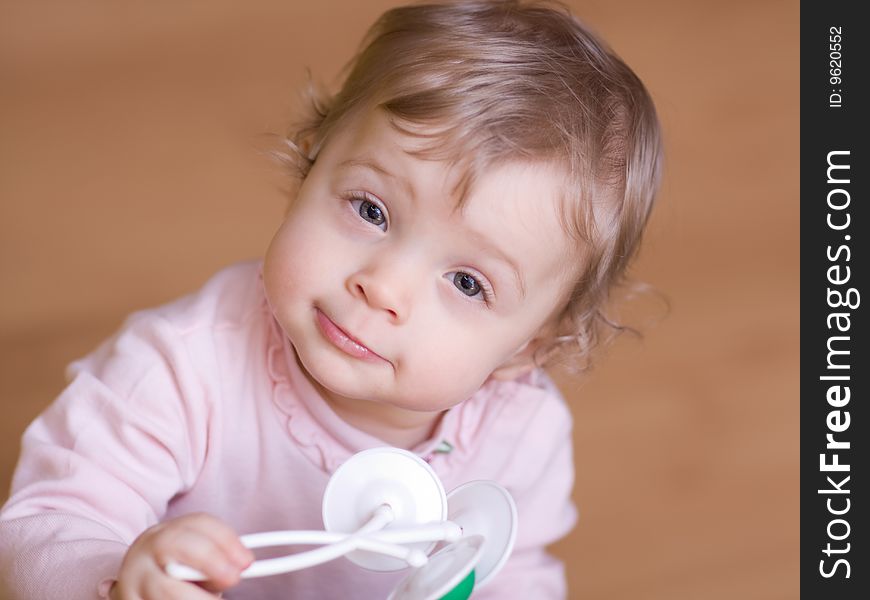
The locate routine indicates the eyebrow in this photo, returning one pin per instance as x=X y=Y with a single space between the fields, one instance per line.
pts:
x=373 y=165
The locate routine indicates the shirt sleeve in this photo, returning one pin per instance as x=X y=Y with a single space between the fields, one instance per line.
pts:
x=100 y=465
x=541 y=480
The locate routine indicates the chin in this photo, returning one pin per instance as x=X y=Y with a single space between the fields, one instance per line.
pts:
x=332 y=372
x=422 y=404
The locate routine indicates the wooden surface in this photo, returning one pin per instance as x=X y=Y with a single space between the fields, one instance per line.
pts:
x=129 y=172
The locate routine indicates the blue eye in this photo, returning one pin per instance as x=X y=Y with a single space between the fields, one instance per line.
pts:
x=466 y=284
x=371 y=212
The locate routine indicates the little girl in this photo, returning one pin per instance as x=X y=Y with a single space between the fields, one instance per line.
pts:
x=467 y=201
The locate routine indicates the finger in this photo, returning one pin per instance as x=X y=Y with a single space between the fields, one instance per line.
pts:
x=166 y=588
x=224 y=536
x=199 y=551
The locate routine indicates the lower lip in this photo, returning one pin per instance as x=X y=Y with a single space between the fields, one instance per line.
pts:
x=341 y=340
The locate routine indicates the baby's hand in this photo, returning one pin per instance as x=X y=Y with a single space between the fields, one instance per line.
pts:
x=200 y=541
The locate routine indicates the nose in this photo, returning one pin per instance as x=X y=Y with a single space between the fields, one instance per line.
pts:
x=384 y=287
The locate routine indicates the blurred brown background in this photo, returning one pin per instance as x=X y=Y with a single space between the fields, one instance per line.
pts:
x=129 y=172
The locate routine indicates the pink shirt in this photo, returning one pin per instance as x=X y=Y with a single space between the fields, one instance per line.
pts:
x=200 y=406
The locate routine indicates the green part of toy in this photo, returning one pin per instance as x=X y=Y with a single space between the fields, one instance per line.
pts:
x=463 y=590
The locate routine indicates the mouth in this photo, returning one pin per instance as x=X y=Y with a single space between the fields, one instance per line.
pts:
x=344 y=341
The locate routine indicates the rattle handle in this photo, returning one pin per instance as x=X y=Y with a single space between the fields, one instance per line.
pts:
x=340 y=544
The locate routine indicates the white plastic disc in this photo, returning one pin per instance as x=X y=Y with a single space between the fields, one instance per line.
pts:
x=485 y=508
x=383 y=476
x=445 y=570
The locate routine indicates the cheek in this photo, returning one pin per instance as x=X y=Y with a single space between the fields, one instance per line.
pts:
x=451 y=363
x=441 y=384
x=297 y=257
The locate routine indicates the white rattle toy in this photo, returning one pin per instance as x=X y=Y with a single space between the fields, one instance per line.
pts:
x=385 y=509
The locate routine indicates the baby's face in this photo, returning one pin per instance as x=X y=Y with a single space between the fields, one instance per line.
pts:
x=390 y=294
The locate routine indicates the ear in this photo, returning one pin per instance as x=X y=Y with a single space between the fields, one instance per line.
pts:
x=522 y=362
